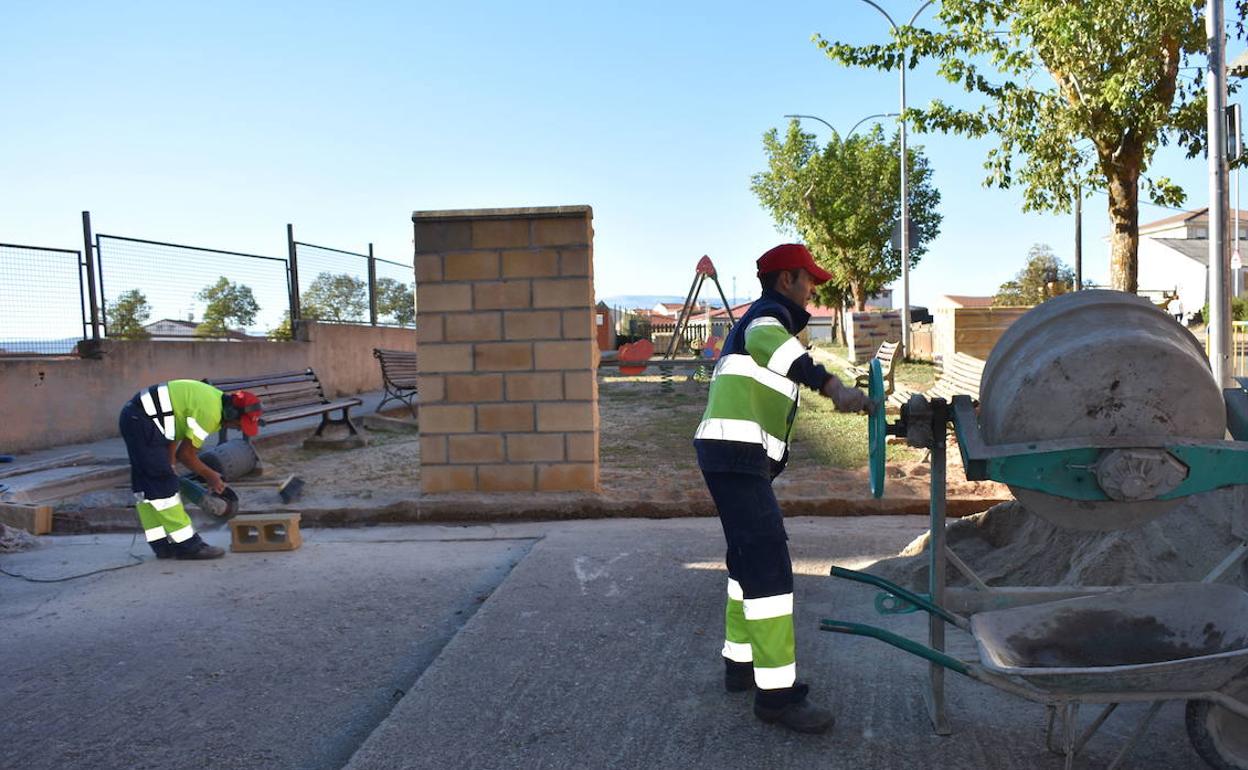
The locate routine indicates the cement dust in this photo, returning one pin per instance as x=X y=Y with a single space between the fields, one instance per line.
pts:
x=1009 y=546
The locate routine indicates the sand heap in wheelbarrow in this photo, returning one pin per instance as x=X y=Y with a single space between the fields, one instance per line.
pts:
x=1108 y=369
x=1008 y=545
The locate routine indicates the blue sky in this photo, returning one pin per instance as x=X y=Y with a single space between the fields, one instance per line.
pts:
x=216 y=124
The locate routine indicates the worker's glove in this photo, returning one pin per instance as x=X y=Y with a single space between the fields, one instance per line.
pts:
x=846 y=399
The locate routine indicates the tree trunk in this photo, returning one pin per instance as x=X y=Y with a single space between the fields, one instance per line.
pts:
x=1123 y=176
x=860 y=296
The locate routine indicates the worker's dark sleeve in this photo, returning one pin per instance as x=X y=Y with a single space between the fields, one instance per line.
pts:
x=805 y=371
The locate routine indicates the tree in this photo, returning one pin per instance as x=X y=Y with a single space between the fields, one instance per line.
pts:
x=127 y=315
x=230 y=305
x=1106 y=73
x=843 y=201
x=396 y=300
x=1043 y=278
x=341 y=297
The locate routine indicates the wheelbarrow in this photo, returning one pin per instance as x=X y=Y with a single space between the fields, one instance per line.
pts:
x=1149 y=643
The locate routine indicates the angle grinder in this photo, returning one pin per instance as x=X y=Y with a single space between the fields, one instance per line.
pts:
x=222 y=505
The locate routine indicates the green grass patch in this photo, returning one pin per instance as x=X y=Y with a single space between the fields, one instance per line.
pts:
x=835 y=439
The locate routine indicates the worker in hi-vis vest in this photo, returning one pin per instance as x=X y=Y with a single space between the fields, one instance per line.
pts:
x=742 y=444
x=167 y=423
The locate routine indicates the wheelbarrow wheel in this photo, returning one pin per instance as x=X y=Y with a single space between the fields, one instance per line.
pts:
x=1219 y=736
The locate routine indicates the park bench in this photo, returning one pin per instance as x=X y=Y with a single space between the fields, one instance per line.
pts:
x=888 y=362
x=398 y=375
x=958 y=374
x=290 y=396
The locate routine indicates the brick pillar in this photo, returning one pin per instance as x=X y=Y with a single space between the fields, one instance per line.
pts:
x=505 y=332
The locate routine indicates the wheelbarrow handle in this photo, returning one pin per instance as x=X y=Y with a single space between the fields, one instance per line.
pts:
x=910 y=596
x=901 y=642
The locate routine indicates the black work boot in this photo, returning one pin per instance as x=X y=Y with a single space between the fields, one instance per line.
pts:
x=790 y=708
x=738 y=677
x=162 y=548
x=196 y=549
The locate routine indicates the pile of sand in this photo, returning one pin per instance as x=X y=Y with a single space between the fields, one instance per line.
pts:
x=1009 y=546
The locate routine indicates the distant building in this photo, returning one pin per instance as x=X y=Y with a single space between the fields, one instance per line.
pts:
x=174 y=329
x=1174 y=259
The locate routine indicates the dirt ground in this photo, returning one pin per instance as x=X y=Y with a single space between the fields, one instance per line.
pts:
x=646 y=450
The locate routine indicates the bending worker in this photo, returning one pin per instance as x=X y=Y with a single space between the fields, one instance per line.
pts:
x=742 y=445
x=167 y=423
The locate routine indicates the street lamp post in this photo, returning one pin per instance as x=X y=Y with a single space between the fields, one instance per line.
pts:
x=1219 y=321
x=905 y=198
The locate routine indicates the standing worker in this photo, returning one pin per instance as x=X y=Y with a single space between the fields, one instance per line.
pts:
x=167 y=423
x=742 y=445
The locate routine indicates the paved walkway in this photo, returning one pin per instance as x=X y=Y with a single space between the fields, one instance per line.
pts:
x=553 y=645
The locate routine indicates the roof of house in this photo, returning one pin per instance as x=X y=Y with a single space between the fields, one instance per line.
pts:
x=191 y=326
x=1185 y=216
x=963 y=300
x=1193 y=248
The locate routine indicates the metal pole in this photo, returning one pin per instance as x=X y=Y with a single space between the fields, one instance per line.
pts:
x=937 y=564
x=372 y=287
x=88 y=253
x=292 y=264
x=905 y=225
x=1078 y=239
x=1219 y=329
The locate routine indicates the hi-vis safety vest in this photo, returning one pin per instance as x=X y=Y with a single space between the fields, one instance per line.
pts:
x=183 y=409
x=752 y=400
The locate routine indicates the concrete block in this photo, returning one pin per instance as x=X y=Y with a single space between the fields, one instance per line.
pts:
x=530 y=263
x=428 y=267
x=439 y=297
x=535 y=447
x=506 y=478
x=566 y=417
x=563 y=292
x=536 y=386
x=448 y=478
x=463 y=327
x=505 y=418
x=438 y=418
x=580 y=386
x=474 y=388
x=442 y=236
x=501 y=295
x=430 y=329
x=500 y=233
x=582 y=447
x=579 y=324
x=35 y=519
x=576 y=262
x=503 y=356
x=577 y=354
x=445 y=357
x=433 y=450
x=431 y=387
x=567 y=477
x=531 y=325
x=477 y=448
x=265 y=532
x=470 y=265
x=561 y=231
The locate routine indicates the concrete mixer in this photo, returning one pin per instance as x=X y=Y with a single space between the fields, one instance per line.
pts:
x=1100 y=413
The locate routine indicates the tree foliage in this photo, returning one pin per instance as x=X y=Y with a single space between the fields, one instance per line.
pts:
x=341 y=297
x=1044 y=277
x=127 y=315
x=396 y=301
x=1078 y=95
x=843 y=200
x=229 y=306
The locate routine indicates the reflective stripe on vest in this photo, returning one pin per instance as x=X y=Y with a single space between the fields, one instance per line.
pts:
x=157 y=405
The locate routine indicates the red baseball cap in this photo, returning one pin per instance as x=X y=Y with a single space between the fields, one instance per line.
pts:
x=788 y=256
x=249 y=411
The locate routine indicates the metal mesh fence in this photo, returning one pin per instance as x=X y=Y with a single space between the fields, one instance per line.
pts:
x=333 y=284
x=396 y=294
x=41 y=300
x=164 y=290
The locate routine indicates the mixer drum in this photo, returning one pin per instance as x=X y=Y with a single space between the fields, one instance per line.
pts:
x=1098 y=364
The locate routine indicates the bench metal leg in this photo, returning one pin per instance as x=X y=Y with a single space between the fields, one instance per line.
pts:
x=346 y=420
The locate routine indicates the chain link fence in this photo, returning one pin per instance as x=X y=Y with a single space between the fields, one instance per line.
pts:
x=41 y=300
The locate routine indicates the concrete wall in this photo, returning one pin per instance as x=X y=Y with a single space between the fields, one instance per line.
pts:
x=508 y=357
x=47 y=402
